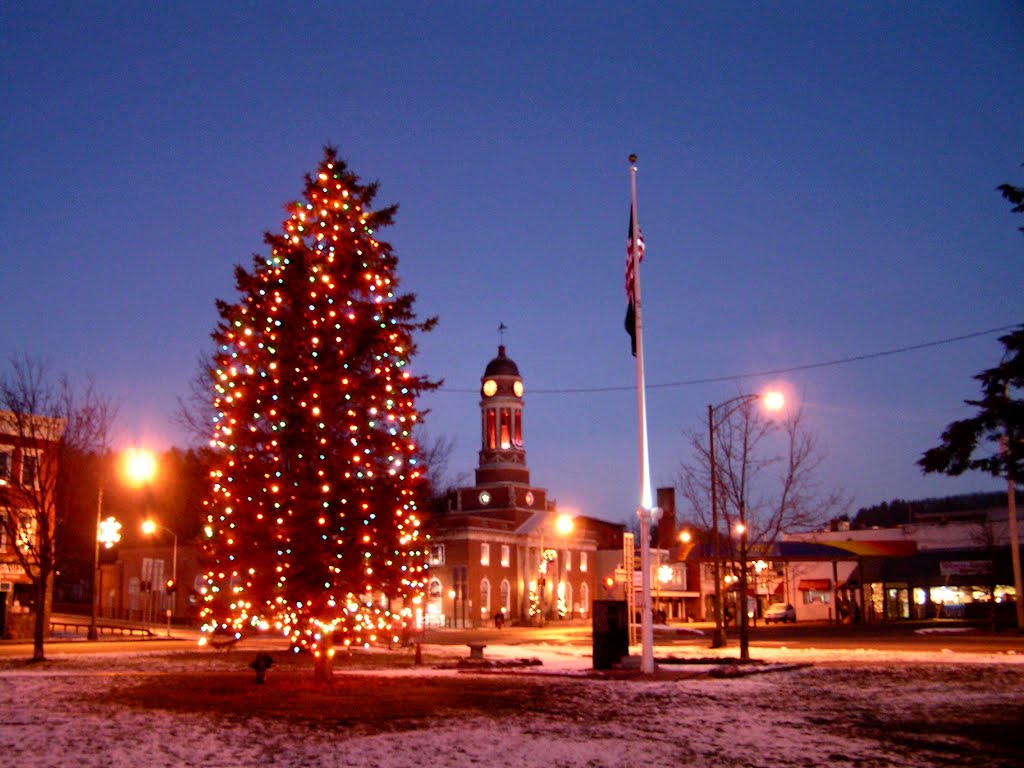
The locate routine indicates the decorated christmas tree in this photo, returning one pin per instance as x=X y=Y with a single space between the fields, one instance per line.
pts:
x=313 y=524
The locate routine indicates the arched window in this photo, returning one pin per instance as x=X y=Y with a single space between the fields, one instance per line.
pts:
x=485 y=599
x=434 y=589
x=506 y=596
x=491 y=429
x=584 y=599
x=506 y=429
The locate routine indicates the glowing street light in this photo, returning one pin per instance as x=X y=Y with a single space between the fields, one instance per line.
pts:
x=563 y=525
x=772 y=400
x=139 y=467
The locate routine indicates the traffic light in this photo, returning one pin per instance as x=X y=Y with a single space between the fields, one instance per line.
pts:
x=171 y=586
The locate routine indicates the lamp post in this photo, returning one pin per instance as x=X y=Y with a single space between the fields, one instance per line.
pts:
x=149 y=527
x=563 y=526
x=741 y=531
x=139 y=467
x=108 y=533
x=773 y=401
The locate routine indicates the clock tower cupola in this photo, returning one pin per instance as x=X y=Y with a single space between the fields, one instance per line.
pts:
x=502 y=457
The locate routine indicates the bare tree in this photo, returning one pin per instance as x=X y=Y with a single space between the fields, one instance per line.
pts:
x=766 y=476
x=42 y=419
x=195 y=411
x=435 y=453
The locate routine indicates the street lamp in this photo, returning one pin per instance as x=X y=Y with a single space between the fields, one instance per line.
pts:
x=149 y=527
x=139 y=467
x=741 y=531
x=563 y=526
x=772 y=401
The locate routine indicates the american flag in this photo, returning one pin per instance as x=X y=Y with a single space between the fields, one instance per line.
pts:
x=633 y=258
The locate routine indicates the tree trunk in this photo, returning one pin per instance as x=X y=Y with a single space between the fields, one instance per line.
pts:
x=39 y=631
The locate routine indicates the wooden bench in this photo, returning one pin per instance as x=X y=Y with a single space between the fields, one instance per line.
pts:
x=224 y=643
x=476 y=651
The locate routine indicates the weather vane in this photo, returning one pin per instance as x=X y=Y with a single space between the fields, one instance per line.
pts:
x=501 y=333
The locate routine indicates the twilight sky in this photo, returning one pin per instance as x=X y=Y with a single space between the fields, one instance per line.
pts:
x=816 y=182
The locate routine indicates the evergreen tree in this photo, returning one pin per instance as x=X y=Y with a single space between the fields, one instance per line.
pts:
x=993 y=439
x=313 y=522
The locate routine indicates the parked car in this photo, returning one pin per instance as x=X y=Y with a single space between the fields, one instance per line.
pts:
x=779 y=612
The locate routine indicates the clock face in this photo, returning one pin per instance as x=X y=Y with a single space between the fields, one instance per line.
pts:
x=518 y=388
x=485 y=497
x=490 y=387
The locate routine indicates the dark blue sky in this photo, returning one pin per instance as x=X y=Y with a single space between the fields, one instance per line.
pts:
x=816 y=182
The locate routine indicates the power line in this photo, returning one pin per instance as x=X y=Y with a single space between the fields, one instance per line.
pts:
x=769 y=372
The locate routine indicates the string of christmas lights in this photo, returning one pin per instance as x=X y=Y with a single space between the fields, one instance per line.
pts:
x=313 y=521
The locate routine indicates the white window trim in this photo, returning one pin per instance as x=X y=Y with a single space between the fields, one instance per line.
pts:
x=33 y=453
x=8 y=451
x=485 y=598
x=485 y=553
x=437 y=554
x=506 y=590
x=506 y=555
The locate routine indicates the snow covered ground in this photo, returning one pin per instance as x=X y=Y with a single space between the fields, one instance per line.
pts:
x=803 y=708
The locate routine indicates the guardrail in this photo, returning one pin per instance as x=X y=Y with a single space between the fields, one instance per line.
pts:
x=102 y=629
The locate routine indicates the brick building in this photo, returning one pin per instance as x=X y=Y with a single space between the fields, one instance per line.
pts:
x=28 y=482
x=501 y=545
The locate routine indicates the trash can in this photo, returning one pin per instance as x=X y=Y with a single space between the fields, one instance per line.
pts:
x=610 y=633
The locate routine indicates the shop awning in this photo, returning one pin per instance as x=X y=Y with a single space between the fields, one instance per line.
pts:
x=814 y=585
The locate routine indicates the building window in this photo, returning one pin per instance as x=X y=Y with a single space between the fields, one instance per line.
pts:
x=567 y=559
x=29 y=470
x=506 y=557
x=485 y=554
x=584 y=599
x=3 y=531
x=506 y=419
x=485 y=599
x=5 y=464
x=491 y=428
x=815 y=596
x=506 y=596
x=434 y=590
x=583 y=562
x=28 y=528
x=134 y=600
x=437 y=554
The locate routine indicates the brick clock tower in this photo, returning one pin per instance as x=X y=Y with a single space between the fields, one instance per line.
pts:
x=489 y=542
x=502 y=477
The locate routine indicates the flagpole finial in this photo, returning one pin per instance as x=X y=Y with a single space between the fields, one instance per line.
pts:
x=632 y=159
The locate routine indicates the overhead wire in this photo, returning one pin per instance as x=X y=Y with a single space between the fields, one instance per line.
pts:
x=767 y=372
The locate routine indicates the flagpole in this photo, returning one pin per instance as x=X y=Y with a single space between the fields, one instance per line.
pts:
x=646 y=511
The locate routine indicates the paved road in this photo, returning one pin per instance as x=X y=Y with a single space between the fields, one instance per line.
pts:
x=904 y=636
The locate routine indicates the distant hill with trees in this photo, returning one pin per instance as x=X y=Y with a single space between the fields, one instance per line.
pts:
x=900 y=512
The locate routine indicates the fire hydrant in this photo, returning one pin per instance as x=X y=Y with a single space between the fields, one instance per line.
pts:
x=261 y=664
